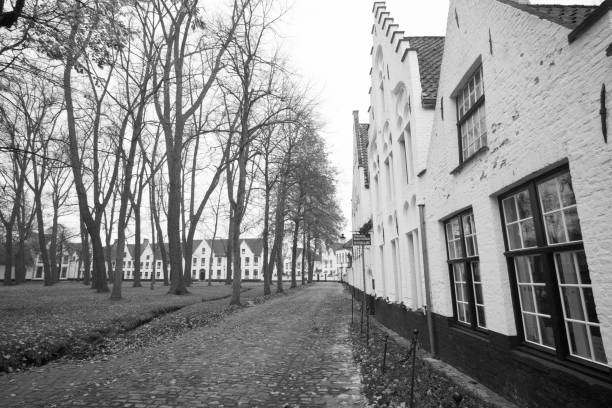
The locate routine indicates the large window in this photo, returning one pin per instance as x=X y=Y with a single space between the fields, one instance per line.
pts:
x=464 y=270
x=471 y=116
x=549 y=270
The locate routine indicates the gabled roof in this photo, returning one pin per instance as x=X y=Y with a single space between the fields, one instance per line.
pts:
x=219 y=246
x=429 y=53
x=255 y=244
x=567 y=16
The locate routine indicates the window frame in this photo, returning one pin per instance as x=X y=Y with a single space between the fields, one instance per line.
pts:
x=561 y=352
x=466 y=261
x=471 y=111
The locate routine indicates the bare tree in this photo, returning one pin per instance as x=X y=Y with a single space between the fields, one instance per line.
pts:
x=179 y=22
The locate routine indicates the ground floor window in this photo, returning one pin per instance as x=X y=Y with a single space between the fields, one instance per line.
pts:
x=255 y=271
x=64 y=271
x=246 y=273
x=39 y=271
x=549 y=272
x=464 y=270
x=218 y=273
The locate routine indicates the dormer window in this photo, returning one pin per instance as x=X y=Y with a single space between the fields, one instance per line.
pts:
x=471 y=116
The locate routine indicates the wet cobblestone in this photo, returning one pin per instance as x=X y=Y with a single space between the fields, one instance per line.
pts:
x=292 y=351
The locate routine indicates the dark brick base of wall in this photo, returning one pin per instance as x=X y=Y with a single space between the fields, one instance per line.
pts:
x=526 y=377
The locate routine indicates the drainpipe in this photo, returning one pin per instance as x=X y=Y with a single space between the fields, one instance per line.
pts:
x=430 y=327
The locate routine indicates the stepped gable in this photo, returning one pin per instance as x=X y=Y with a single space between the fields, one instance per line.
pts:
x=567 y=16
x=429 y=53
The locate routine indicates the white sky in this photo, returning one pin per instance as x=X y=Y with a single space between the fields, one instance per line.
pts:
x=328 y=42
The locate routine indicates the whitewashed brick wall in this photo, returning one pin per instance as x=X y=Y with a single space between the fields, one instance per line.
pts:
x=542 y=108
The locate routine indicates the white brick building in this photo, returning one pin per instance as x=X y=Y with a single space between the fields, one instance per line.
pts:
x=514 y=172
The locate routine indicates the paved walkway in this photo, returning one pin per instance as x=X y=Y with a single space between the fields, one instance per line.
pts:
x=290 y=351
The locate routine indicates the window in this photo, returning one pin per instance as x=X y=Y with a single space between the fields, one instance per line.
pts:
x=147 y=258
x=159 y=264
x=203 y=261
x=63 y=273
x=549 y=271
x=255 y=260
x=39 y=271
x=471 y=116
x=203 y=250
x=246 y=260
x=141 y=264
x=218 y=261
x=195 y=261
x=255 y=271
x=124 y=264
x=158 y=274
x=246 y=273
x=464 y=270
x=243 y=251
x=218 y=273
x=147 y=265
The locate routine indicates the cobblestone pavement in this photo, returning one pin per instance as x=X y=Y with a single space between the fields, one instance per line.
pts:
x=290 y=351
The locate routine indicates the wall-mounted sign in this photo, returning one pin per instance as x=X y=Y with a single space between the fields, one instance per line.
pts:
x=361 y=239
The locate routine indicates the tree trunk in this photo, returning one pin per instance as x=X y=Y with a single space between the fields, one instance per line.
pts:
x=20 y=266
x=93 y=226
x=137 y=248
x=303 y=255
x=85 y=254
x=265 y=236
x=310 y=260
x=42 y=242
x=229 y=250
x=177 y=285
x=8 y=246
x=296 y=233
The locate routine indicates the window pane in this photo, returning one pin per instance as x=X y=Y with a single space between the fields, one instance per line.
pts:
x=573 y=224
x=530 y=323
x=566 y=190
x=546 y=327
x=549 y=195
x=528 y=233
x=510 y=209
x=555 y=231
x=522 y=265
x=590 y=305
x=523 y=202
x=526 y=295
x=482 y=321
x=598 y=348
x=579 y=340
x=573 y=303
x=514 y=236
x=566 y=268
x=478 y=294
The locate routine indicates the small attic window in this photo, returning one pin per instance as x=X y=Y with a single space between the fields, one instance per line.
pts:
x=471 y=119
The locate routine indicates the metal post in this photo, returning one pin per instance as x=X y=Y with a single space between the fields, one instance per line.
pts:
x=384 y=362
x=430 y=328
x=363 y=306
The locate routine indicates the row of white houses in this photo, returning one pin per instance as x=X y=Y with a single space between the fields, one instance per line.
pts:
x=203 y=266
x=484 y=176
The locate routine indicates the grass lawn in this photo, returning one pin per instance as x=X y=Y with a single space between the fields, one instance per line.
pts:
x=37 y=323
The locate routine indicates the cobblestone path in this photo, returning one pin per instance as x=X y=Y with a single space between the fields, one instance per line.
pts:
x=290 y=351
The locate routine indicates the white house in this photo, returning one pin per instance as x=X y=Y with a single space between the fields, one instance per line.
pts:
x=512 y=181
